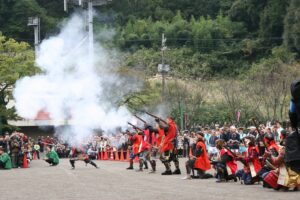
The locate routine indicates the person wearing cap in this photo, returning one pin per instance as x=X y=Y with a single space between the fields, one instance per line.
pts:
x=199 y=160
x=5 y=161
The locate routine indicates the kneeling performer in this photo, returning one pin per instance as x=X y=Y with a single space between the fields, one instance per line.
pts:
x=51 y=156
x=199 y=160
x=78 y=154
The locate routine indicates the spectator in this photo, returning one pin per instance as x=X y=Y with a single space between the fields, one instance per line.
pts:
x=36 y=149
x=180 y=145
x=186 y=144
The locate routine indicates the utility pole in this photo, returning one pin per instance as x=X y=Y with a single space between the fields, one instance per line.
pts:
x=35 y=22
x=89 y=4
x=91 y=31
x=163 y=68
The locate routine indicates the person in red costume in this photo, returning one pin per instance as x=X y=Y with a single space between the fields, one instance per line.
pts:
x=134 y=142
x=225 y=165
x=252 y=164
x=144 y=152
x=199 y=160
x=282 y=177
x=271 y=148
x=167 y=145
x=147 y=147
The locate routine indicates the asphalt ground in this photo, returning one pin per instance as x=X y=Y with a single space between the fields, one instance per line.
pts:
x=112 y=181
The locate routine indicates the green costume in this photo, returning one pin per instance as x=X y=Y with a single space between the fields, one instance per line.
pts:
x=53 y=156
x=5 y=159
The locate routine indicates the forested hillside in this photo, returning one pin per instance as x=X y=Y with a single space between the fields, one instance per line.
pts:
x=246 y=45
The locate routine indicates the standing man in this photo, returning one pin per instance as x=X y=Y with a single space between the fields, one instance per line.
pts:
x=147 y=147
x=212 y=144
x=134 y=143
x=36 y=148
x=167 y=147
x=186 y=144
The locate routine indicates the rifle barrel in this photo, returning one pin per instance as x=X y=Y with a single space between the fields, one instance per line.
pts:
x=135 y=126
x=140 y=119
x=154 y=116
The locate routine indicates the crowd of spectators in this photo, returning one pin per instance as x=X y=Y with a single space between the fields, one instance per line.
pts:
x=19 y=144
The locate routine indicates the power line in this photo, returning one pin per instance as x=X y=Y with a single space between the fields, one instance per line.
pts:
x=205 y=39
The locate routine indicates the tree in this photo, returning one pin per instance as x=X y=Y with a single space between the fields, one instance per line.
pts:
x=16 y=61
x=271 y=79
x=14 y=16
x=292 y=26
x=247 y=11
x=272 y=19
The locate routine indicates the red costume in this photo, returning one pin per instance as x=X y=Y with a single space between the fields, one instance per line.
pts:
x=161 y=134
x=272 y=144
x=169 y=138
x=253 y=158
x=231 y=164
x=202 y=162
x=136 y=142
x=149 y=137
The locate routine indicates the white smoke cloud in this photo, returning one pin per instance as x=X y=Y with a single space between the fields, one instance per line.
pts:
x=71 y=88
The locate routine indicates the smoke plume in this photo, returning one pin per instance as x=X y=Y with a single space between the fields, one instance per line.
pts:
x=71 y=89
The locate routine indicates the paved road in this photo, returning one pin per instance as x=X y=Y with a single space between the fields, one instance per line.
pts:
x=113 y=182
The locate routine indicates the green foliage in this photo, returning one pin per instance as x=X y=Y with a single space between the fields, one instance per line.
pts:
x=247 y=11
x=196 y=46
x=270 y=79
x=14 y=16
x=16 y=61
x=272 y=19
x=292 y=26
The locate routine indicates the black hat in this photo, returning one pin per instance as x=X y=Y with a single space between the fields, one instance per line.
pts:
x=200 y=133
